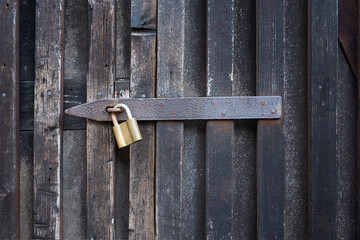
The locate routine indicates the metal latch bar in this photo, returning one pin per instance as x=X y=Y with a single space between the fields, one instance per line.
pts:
x=192 y=108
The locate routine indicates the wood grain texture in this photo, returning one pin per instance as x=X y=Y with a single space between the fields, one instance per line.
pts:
x=74 y=184
x=346 y=105
x=26 y=185
x=48 y=108
x=270 y=134
x=143 y=14
x=142 y=154
x=295 y=85
x=122 y=90
x=76 y=59
x=169 y=135
x=245 y=131
x=122 y=172
x=323 y=77
x=100 y=140
x=10 y=120
x=123 y=42
x=193 y=165
x=219 y=158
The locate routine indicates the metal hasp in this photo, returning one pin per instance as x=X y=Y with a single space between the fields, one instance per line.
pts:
x=196 y=108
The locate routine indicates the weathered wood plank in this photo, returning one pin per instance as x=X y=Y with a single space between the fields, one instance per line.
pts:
x=74 y=184
x=27 y=40
x=192 y=193
x=346 y=105
x=122 y=87
x=219 y=158
x=245 y=131
x=143 y=14
x=270 y=134
x=26 y=185
x=169 y=135
x=10 y=120
x=295 y=130
x=100 y=141
x=48 y=115
x=122 y=169
x=76 y=59
x=323 y=77
x=142 y=154
x=123 y=31
x=74 y=94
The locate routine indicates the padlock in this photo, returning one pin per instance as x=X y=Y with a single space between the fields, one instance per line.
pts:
x=127 y=132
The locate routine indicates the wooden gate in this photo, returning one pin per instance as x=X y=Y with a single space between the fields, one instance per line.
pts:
x=61 y=177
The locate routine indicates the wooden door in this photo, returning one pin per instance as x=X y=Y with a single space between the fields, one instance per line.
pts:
x=62 y=177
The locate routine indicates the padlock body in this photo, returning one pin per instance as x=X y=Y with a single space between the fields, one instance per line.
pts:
x=127 y=133
x=134 y=129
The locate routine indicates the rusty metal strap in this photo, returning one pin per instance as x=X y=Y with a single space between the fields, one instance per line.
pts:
x=196 y=108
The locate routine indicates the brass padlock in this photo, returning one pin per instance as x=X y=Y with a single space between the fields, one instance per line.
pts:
x=127 y=132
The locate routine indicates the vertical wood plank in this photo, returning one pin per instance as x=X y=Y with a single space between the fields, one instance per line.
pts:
x=323 y=76
x=220 y=134
x=122 y=90
x=295 y=126
x=270 y=134
x=122 y=172
x=346 y=105
x=9 y=121
x=245 y=130
x=142 y=154
x=26 y=185
x=48 y=115
x=100 y=141
x=192 y=193
x=74 y=184
x=169 y=135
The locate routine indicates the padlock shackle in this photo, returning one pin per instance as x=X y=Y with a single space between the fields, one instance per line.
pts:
x=128 y=112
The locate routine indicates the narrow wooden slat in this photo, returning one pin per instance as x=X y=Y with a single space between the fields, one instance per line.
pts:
x=169 y=135
x=122 y=172
x=142 y=154
x=122 y=90
x=76 y=59
x=10 y=120
x=295 y=127
x=220 y=134
x=245 y=131
x=346 y=105
x=74 y=184
x=123 y=31
x=100 y=141
x=323 y=77
x=27 y=40
x=193 y=166
x=26 y=185
x=270 y=134
x=48 y=115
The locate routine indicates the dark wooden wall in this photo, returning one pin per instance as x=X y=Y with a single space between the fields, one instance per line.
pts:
x=291 y=178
